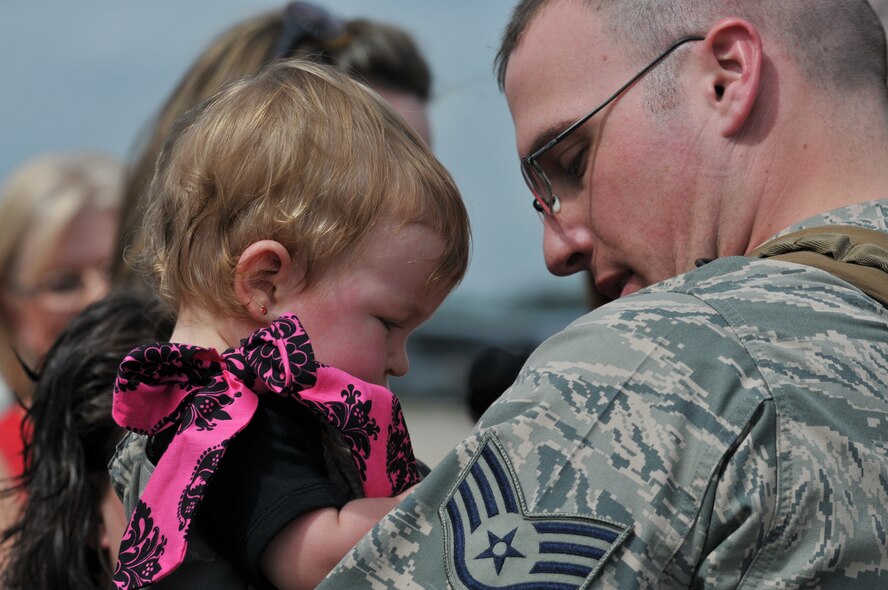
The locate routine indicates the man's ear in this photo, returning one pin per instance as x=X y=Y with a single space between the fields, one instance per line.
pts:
x=734 y=72
x=264 y=271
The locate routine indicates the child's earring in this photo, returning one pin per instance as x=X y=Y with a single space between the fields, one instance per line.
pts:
x=263 y=309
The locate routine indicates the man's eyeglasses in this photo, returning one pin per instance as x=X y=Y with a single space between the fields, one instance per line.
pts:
x=545 y=200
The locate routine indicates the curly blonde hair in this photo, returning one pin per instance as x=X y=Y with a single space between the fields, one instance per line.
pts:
x=300 y=154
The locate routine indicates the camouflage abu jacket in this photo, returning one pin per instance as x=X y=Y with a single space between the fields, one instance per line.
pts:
x=727 y=428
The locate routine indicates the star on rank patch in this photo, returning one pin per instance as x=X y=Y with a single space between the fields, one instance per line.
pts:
x=493 y=542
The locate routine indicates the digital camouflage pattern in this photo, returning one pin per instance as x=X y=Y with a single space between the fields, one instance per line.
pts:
x=727 y=428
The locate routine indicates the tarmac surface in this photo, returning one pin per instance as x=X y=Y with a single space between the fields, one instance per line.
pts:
x=435 y=425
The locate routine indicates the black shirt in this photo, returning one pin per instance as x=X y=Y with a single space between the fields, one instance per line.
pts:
x=271 y=473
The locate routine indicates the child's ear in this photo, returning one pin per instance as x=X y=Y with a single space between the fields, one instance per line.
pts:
x=263 y=271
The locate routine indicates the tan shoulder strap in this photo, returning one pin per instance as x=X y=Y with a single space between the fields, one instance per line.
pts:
x=854 y=254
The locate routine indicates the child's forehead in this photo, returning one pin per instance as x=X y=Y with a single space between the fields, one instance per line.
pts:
x=403 y=278
x=403 y=245
x=424 y=241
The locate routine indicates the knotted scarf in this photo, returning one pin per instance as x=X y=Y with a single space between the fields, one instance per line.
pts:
x=210 y=397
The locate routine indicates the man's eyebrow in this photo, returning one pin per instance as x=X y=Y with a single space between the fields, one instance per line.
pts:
x=548 y=134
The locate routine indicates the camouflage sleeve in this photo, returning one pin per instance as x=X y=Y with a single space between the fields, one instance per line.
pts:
x=130 y=469
x=606 y=462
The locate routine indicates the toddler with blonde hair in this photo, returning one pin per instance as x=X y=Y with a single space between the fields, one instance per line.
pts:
x=293 y=203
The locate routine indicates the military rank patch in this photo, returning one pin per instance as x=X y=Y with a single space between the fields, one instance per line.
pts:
x=491 y=541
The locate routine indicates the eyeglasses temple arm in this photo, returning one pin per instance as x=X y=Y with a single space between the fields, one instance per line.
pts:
x=613 y=96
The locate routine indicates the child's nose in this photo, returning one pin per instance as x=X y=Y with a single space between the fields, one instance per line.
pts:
x=398 y=364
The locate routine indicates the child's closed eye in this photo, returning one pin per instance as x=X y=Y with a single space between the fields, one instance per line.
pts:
x=389 y=324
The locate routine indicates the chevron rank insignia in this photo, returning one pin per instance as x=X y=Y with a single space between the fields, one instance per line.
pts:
x=493 y=542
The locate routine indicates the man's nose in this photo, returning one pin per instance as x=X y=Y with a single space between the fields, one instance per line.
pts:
x=566 y=250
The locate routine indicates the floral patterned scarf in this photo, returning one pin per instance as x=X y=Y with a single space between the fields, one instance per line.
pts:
x=208 y=398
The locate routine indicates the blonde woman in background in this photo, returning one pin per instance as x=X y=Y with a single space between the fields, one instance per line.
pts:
x=58 y=221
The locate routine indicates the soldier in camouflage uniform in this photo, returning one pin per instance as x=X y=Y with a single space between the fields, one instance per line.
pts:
x=723 y=428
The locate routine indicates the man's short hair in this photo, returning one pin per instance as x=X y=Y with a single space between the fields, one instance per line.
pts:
x=838 y=44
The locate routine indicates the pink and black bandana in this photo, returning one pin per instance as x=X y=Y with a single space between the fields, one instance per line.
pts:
x=210 y=397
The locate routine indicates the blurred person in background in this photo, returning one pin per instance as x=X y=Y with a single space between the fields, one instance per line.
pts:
x=383 y=56
x=58 y=221
x=69 y=529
